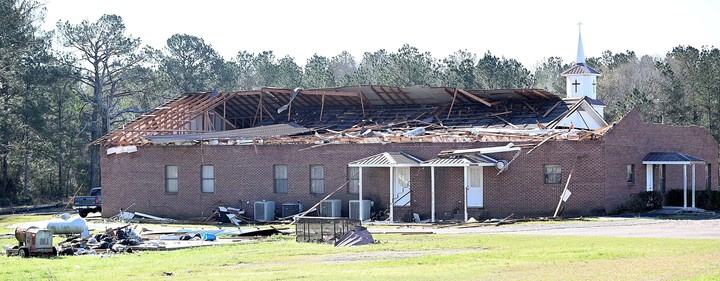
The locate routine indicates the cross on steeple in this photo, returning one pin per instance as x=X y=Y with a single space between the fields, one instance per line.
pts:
x=576 y=84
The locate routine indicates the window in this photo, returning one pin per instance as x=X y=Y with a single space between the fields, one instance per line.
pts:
x=317 y=179
x=353 y=176
x=401 y=187
x=708 y=179
x=631 y=173
x=171 y=179
x=281 y=179
x=553 y=174
x=208 y=179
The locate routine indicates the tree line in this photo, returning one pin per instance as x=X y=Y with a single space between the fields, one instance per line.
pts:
x=56 y=99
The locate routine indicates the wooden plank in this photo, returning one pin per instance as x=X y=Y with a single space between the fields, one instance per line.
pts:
x=551 y=109
x=474 y=97
x=539 y=93
x=452 y=103
x=530 y=106
x=322 y=107
x=506 y=121
x=372 y=88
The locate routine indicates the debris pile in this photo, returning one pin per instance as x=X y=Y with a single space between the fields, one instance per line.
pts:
x=356 y=237
x=116 y=240
x=126 y=238
x=229 y=215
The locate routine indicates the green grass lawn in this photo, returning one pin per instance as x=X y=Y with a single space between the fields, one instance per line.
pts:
x=397 y=257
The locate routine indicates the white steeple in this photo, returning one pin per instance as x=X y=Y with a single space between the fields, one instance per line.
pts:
x=581 y=80
x=580 y=53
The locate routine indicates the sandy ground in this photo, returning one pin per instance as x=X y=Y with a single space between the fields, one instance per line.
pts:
x=612 y=227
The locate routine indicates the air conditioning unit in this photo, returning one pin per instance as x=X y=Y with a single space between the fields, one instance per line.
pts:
x=330 y=208
x=264 y=210
x=289 y=209
x=355 y=209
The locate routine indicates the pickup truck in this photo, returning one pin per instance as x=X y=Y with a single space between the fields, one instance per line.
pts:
x=88 y=204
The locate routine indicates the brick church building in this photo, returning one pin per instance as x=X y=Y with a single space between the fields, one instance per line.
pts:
x=383 y=152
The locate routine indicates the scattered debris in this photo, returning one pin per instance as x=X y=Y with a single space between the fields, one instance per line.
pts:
x=261 y=232
x=139 y=214
x=229 y=215
x=564 y=196
x=357 y=237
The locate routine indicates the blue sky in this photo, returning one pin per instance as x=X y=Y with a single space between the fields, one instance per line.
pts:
x=528 y=31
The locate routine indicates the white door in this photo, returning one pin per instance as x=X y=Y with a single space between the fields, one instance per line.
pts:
x=475 y=186
x=401 y=186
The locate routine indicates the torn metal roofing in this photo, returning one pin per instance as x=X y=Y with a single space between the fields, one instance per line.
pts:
x=277 y=130
x=461 y=160
x=670 y=158
x=387 y=159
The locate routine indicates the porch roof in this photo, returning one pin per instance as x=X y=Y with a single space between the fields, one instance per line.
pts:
x=461 y=161
x=387 y=159
x=671 y=158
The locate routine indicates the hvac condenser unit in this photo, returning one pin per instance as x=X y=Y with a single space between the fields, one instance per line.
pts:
x=355 y=209
x=289 y=209
x=264 y=210
x=330 y=208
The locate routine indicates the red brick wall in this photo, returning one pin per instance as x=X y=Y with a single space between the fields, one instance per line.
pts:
x=631 y=139
x=244 y=174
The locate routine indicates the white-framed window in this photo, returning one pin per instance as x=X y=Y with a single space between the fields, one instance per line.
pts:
x=280 y=175
x=353 y=176
x=171 y=179
x=553 y=174
x=317 y=179
x=207 y=174
x=401 y=186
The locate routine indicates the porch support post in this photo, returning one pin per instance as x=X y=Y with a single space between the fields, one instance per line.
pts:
x=685 y=186
x=360 y=196
x=432 y=195
x=648 y=177
x=392 y=197
x=693 y=185
x=465 y=187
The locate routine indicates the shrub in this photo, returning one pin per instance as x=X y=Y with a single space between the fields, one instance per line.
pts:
x=708 y=199
x=674 y=197
x=705 y=199
x=643 y=202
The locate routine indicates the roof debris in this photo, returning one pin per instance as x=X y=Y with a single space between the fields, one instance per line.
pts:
x=355 y=114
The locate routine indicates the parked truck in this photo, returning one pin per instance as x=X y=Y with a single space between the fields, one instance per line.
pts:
x=88 y=204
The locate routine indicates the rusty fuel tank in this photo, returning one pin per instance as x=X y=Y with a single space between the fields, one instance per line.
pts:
x=20 y=232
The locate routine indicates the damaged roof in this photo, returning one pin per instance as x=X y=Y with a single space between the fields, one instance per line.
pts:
x=276 y=130
x=355 y=114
